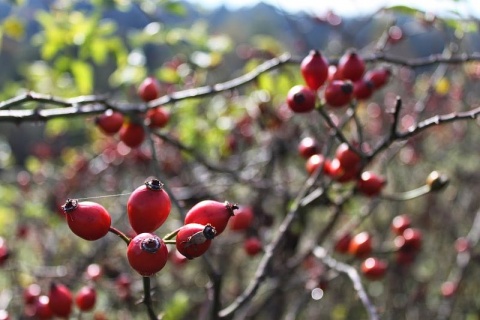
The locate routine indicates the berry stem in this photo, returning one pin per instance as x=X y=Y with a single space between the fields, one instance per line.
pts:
x=147 y=298
x=120 y=234
x=408 y=195
x=171 y=241
x=171 y=235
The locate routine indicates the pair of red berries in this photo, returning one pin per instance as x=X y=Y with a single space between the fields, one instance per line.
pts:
x=408 y=240
x=346 y=83
x=131 y=133
x=204 y=221
x=148 y=208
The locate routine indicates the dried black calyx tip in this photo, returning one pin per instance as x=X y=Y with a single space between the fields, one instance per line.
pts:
x=154 y=184
x=299 y=98
x=231 y=207
x=347 y=87
x=437 y=181
x=209 y=232
x=151 y=244
x=70 y=205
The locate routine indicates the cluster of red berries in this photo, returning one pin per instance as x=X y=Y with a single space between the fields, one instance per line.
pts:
x=408 y=240
x=344 y=82
x=132 y=133
x=58 y=302
x=344 y=167
x=407 y=244
x=148 y=207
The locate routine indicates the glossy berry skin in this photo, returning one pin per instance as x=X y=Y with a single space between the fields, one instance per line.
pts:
x=373 y=268
x=338 y=93
x=132 y=134
x=343 y=242
x=148 y=207
x=194 y=239
x=4 y=251
x=252 y=246
x=314 y=68
x=413 y=239
x=211 y=212
x=347 y=157
x=149 y=89
x=147 y=254
x=88 y=220
x=351 y=66
x=85 y=298
x=378 y=77
x=157 y=117
x=362 y=89
x=314 y=162
x=307 y=147
x=370 y=184
x=109 y=122
x=61 y=300
x=301 y=99
x=400 y=223
x=243 y=218
x=360 y=245
x=31 y=293
x=42 y=308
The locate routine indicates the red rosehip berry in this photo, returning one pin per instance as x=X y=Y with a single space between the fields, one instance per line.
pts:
x=400 y=223
x=31 y=293
x=348 y=158
x=370 y=184
x=177 y=258
x=314 y=162
x=351 y=66
x=413 y=239
x=149 y=89
x=132 y=134
x=378 y=77
x=314 y=68
x=360 y=245
x=301 y=99
x=147 y=254
x=343 y=243
x=194 y=239
x=86 y=298
x=362 y=89
x=61 y=301
x=211 y=212
x=42 y=308
x=374 y=268
x=243 y=218
x=307 y=147
x=109 y=122
x=4 y=251
x=252 y=246
x=88 y=220
x=157 y=117
x=148 y=207
x=338 y=93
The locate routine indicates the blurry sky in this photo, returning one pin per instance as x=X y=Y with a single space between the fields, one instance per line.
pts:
x=466 y=8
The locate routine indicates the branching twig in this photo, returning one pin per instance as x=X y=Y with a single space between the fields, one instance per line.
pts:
x=352 y=273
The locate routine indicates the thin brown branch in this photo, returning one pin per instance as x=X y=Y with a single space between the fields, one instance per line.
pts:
x=147 y=298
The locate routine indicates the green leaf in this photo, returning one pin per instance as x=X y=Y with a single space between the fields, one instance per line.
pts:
x=83 y=75
x=177 y=306
x=176 y=8
x=404 y=9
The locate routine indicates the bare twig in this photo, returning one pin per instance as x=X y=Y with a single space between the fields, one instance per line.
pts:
x=352 y=273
